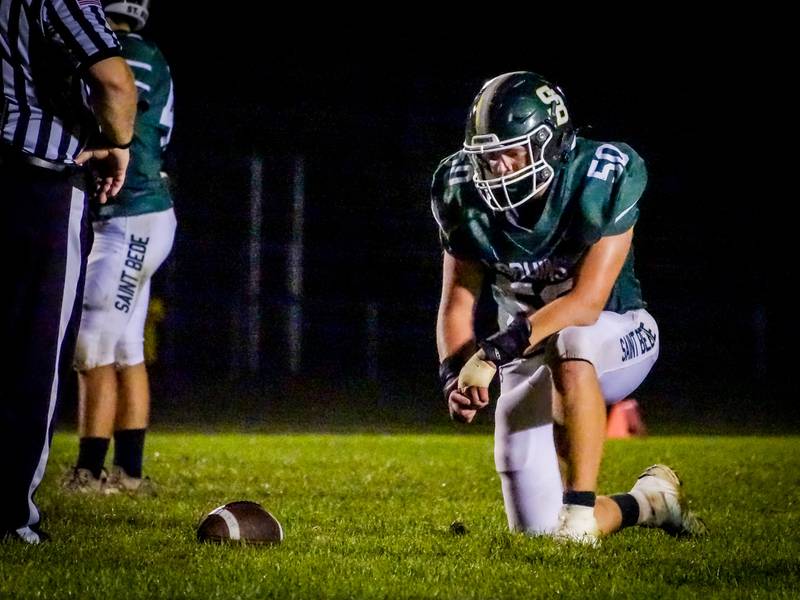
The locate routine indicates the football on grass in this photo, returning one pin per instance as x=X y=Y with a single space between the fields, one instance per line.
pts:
x=241 y=521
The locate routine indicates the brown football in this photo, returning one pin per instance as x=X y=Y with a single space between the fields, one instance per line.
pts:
x=241 y=521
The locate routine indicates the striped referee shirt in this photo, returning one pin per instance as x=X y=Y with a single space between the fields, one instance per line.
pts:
x=45 y=46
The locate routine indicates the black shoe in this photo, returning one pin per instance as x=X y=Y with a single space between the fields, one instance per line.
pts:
x=26 y=535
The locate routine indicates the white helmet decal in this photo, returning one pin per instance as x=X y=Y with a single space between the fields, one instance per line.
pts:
x=136 y=10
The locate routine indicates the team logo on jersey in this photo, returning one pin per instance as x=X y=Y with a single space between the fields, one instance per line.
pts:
x=545 y=270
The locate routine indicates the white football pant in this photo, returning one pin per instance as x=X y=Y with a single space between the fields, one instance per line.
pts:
x=125 y=254
x=622 y=348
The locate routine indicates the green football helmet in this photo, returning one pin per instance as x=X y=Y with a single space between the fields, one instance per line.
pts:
x=519 y=110
x=136 y=11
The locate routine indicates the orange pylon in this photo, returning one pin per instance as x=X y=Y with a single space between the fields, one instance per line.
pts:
x=625 y=420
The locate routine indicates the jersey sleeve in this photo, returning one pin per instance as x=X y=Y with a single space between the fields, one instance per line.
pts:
x=627 y=190
x=614 y=180
x=449 y=211
x=153 y=85
x=148 y=67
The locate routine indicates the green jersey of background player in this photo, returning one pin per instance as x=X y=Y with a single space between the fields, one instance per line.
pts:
x=146 y=188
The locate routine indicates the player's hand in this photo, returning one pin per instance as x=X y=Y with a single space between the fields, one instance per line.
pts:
x=109 y=165
x=464 y=406
x=477 y=372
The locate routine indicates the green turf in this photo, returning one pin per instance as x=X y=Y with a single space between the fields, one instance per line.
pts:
x=367 y=516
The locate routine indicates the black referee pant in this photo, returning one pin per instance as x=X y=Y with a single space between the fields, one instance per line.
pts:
x=44 y=242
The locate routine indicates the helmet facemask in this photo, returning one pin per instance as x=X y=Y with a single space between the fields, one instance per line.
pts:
x=515 y=188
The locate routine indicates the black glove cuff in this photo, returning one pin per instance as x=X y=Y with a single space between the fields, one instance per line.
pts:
x=509 y=344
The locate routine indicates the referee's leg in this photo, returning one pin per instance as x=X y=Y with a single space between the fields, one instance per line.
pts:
x=43 y=240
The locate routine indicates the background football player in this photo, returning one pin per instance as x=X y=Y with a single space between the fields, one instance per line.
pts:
x=549 y=216
x=133 y=234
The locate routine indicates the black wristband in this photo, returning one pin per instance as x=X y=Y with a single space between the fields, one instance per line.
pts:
x=509 y=344
x=102 y=141
x=449 y=369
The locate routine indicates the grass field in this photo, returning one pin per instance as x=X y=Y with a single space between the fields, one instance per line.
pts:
x=368 y=515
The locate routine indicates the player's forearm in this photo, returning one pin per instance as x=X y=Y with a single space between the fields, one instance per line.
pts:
x=461 y=285
x=566 y=311
x=455 y=332
x=587 y=299
x=526 y=331
x=593 y=284
x=113 y=98
x=455 y=340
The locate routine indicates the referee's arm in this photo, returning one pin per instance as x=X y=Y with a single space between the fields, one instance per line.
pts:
x=113 y=99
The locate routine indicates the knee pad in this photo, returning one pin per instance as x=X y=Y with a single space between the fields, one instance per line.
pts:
x=524 y=450
x=531 y=493
x=573 y=343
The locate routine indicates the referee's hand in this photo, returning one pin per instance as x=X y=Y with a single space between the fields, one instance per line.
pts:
x=109 y=165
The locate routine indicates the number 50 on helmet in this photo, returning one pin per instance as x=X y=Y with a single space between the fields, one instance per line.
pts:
x=521 y=111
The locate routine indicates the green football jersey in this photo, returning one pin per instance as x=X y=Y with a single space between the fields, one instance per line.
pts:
x=145 y=188
x=534 y=251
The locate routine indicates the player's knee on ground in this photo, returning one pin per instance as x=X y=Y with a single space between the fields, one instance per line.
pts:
x=530 y=479
x=524 y=452
x=532 y=499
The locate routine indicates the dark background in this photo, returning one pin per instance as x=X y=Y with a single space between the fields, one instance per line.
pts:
x=371 y=114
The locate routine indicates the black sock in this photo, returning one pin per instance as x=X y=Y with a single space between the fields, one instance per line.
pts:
x=629 y=508
x=579 y=498
x=92 y=454
x=128 y=450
